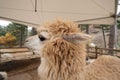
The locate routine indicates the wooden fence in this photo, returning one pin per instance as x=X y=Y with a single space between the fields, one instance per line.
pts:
x=16 y=54
x=102 y=51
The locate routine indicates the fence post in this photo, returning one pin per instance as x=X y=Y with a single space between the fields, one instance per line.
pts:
x=0 y=55
x=96 y=51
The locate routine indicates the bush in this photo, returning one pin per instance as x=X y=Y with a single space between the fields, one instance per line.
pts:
x=8 y=39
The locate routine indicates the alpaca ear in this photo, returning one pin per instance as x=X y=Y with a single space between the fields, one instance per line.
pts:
x=78 y=37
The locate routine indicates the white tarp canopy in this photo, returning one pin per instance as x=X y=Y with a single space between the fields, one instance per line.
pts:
x=34 y=12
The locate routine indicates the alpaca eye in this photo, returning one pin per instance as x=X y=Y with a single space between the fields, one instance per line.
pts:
x=42 y=38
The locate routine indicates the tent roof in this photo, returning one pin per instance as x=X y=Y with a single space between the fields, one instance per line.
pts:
x=34 y=12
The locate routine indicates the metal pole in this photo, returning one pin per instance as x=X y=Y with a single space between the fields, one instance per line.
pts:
x=35 y=5
x=113 y=31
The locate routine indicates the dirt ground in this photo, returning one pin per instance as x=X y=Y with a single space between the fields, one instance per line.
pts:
x=28 y=75
x=21 y=70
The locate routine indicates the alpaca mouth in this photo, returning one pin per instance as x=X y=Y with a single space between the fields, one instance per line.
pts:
x=31 y=50
x=28 y=47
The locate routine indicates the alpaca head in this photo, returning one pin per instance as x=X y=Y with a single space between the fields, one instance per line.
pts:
x=3 y=75
x=61 y=49
x=68 y=31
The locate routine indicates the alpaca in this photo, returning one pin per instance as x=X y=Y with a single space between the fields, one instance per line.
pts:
x=91 y=45
x=3 y=76
x=88 y=60
x=63 y=53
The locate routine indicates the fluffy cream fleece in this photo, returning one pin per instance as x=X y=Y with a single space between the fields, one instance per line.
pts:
x=104 y=68
x=64 y=59
x=59 y=27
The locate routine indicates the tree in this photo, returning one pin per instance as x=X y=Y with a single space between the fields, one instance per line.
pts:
x=118 y=25
x=2 y=30
x=7 y=40
x=33 y=32
x=17 y=30
x=112 y=38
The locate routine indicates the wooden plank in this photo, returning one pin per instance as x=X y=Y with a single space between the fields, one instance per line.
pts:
x=97 y=51
x=14 y=50
x=106 y=49
x=2 y=60
x=18 y=66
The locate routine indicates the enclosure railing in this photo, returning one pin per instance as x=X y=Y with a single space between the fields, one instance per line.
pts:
x=102 y=51
x=17 y=53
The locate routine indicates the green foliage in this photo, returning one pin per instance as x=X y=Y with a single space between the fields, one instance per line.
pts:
x=18 y=30
x=118 y=25
x=84 y=26
x=118 y=44
x=2 y=31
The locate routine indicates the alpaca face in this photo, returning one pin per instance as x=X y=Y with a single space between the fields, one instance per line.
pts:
x=36 y=43
x=3 y=76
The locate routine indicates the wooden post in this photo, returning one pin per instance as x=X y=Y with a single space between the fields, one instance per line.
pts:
x=21 y=40
x=96 y=51
x=87 y=29
x=0 y=55
x=104 y=37
x=79 y=26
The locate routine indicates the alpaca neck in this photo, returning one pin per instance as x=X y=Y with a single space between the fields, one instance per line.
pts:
x=63 y=61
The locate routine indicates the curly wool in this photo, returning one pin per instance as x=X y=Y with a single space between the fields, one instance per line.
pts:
x=64 y=60
x=59 y=27
x=104 y=68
